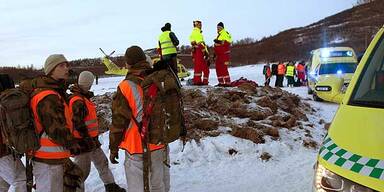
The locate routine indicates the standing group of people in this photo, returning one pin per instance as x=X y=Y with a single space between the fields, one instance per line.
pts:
x=66 y=126
x=281 y=70
x=167 y=49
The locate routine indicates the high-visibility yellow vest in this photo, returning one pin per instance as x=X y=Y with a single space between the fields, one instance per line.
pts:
x=290 y=71
x=224 y=36
x=166 y=44
x=196 y=36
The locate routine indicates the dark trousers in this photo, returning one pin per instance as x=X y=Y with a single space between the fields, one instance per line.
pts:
x=291 y=80
x=279 y=81
x=171 y=60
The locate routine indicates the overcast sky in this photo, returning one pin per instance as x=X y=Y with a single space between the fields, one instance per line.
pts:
x=30 y=30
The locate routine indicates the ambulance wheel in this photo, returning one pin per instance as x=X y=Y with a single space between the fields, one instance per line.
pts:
x=310 y=91
x=316 y=98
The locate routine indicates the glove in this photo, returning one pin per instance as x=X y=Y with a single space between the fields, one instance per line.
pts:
x=217 y=41
x=113 y=156
x=75 y=149
x=226 y=63
x=208 y=62
x=90 y=143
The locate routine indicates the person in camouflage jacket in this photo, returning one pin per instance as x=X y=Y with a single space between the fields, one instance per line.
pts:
x=49 y=161
x=124 y=132
x=85 y=123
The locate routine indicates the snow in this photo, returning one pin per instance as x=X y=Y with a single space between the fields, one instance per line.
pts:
x=207 y=166
x=338 y=40
x=338 y=25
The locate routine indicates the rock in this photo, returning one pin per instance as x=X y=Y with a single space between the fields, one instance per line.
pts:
x=309 y=125
x=327 y=125
x=267 y=102
x=239 y=112
x=248 y=133
x=257 y=115
x=232 y=151
x=291 y=122
x=300 y=115
x=256 y=125
x=273 y=132
x=265 y=156
x=206 y=124
x=309 y=143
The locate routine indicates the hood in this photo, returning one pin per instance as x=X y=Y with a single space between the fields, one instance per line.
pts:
x=44 y=82
x=75 y=90
x=139 y=69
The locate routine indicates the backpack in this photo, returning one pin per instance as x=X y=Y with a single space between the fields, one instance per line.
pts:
x=274 y=69
x=16 y=121
x=265 y=70
x=163 y=119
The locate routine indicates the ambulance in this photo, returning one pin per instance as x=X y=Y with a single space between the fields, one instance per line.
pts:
x=351 y=157
x=329 y=64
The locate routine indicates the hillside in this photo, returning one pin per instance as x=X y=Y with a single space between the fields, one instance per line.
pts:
x=354 y=27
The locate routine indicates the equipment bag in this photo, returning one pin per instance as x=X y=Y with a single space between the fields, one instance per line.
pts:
x=16 y=121
x=163 y=108
x=243 y=80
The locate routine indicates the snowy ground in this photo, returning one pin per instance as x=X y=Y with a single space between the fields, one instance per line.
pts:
x=207 y=166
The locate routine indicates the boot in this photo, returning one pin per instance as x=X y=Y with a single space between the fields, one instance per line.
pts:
x=113 y=187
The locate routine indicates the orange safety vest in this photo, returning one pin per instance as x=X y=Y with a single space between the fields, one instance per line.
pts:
x=280 y=69
x=300 y=68
x=48 y=148
x=133 y=93
x=90 y=120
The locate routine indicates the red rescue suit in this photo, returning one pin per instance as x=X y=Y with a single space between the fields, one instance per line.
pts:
x=201 y=69
x=222 y=52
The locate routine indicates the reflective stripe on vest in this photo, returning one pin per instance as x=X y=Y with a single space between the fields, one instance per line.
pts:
x=166 y=44
x=290 y=71
x=90 y=120
x=133 y=93
x=49 y=149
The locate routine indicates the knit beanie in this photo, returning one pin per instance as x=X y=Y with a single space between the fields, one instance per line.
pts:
x=86 y=80
x=221 y=24
x=134 y=55
x=52 y=61
x=196 y=22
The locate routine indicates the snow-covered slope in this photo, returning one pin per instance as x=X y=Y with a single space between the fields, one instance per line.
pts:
x=207 y=166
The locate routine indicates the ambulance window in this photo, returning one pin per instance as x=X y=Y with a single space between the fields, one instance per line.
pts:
x=369 y=90
x=335 y=68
